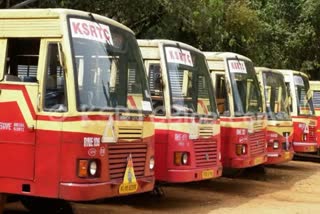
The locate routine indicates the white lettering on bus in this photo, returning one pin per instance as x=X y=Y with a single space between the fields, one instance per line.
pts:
x=237 y=66
x=91 y=141
x=180 y=56
x=90 y=30
x=5 y=126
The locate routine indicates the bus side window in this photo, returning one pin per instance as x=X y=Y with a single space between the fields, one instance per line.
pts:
x=22 y=60
x=289 y=96
x=221 y=95
x=55 y=94
x=156 y=90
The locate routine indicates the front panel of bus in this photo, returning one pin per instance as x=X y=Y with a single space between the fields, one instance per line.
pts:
x=244 y=130
x=187 y=126
x=305 y=121
x=108 y=142
x=280 y=126
x=315 y=87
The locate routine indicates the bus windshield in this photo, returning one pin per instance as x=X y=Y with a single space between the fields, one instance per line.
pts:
x=303 y=95
x=189 y=83
x=277 y=102
x=246 y=91
x=109 y=73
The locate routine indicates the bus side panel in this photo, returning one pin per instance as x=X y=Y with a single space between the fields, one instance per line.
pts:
x=47 y=161
x=17 y=131
x=161 y=154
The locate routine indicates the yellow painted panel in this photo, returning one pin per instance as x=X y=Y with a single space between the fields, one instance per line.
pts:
x=30 y=28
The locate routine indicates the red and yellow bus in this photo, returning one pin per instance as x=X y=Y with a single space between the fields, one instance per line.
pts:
x=76 y=114
x=315 y=89
x=302 y=111
x=239 y=100
x=187 y=131
x=280 y=125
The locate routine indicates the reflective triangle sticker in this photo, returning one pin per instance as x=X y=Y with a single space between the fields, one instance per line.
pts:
x=129 y=184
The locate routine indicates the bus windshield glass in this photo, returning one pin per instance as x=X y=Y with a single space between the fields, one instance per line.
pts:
x=277 y=101
x=246 y=91
x=303 y=95
x=189 y=83
x=109 y=73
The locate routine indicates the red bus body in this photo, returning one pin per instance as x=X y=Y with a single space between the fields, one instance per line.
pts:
x=174 y=134
x=243 y=138
x=280 y=125
x=302 y=112
x=61 y=151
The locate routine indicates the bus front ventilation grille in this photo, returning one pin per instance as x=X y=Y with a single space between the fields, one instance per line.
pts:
x=258 y=126
x=118 y=155
x=206 y=153
x=312 y=134
x=130 y=133
x=257 y=143
x=206 y=132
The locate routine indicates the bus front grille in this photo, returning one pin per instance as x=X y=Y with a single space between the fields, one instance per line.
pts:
x=312 y=134
x=206 y=153
x=118 y=155
x=257 y=143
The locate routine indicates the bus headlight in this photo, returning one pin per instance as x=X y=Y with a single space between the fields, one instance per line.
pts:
x=275 y=144
x=184 y=158
x=93 y=168
x=151 y=163
x=181 y=158
x=304 y=137
x=241 y=149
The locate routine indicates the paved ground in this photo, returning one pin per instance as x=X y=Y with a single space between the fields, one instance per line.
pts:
x=292 y=188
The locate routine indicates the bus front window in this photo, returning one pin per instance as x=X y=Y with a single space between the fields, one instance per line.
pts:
x=109 y=72
x=189 y=83
x=277 y=101
x=245 y=86
x=303 y=95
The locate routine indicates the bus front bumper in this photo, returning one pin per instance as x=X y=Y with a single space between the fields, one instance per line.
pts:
x=189 y=175
x=246 y=162
x=305 y=146
x=94 y=191
x=279 y=157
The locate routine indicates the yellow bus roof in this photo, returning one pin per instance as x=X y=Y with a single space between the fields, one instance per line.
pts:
x=54 y=13
x=155 y=43
x=224 y=55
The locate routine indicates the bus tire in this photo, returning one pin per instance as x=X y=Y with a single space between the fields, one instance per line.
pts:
x=39 y=205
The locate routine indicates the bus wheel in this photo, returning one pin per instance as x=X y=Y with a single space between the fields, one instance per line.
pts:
x=39 y=205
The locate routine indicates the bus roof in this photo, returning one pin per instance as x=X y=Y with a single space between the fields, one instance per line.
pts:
x=291 y=72
x=265 y=69
x=223 y=55
x=155 y=43
x=54 y=14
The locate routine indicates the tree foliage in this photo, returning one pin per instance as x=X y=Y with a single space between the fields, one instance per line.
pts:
x=273 y=33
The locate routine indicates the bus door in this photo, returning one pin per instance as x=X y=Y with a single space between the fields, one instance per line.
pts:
x=19 y=88
x=51 y=105
x=155 y=80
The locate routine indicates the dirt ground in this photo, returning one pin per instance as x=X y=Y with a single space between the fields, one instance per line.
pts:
x=292 y=188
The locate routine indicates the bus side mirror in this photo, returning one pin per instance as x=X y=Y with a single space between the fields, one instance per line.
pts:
x=61 y=58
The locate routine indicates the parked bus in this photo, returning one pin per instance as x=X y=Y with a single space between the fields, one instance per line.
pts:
x=76 y=114
x=315 y=88
x=187 y=132
x=302 y=112
x=280 y=126
x=239 y=100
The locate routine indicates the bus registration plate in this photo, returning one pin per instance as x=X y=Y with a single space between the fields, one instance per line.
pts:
x=207 y=174
x=258 y=160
